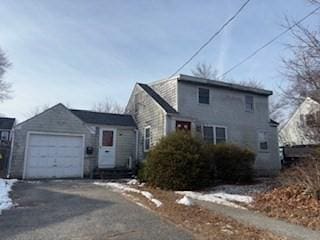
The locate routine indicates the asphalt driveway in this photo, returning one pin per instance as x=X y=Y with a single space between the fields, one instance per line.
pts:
x=79 y=210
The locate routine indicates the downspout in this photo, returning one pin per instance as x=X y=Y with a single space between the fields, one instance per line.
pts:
x=10 y=156
x=137 y=144
x=165 y=127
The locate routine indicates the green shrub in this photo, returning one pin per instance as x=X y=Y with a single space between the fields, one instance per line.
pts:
x=234 y=164
x=141 y=174
x=177 y=162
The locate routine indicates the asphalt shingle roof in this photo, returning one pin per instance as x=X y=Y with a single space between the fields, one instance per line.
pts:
x=104 y=118
x=6 y=123
x=163 y=103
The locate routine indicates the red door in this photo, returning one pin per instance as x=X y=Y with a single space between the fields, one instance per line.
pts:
x=183 y=125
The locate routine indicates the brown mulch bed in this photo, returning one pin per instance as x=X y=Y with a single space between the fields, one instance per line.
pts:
x=202 y=223
x=290 y=203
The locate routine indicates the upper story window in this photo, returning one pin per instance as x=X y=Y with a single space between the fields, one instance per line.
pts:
x=204 y=95
x=312 y=119
x=263 y=141
x=147 y=139
x=249 y=103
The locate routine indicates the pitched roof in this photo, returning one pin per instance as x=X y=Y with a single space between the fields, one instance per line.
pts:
x=156 y=97
x=7 y=123
x=100 y=118
x=221 y=84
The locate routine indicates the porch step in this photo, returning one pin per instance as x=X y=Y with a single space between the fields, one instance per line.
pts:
x=112 y=173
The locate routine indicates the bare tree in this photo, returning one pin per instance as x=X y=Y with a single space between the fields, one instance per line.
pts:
x=206 y=71
x=5 y=87
x=108 y=106
x=251 y=83
x=37 y=110
x=302 y=70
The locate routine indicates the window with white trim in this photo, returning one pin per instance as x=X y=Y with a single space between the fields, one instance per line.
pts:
x=263 y=141
x=221 y=135
x=214 y=134
x=204 y=95
x=249 y=103
x=208 y=134
x=147 y=139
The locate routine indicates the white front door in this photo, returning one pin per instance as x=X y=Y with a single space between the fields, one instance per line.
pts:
x=107 y=148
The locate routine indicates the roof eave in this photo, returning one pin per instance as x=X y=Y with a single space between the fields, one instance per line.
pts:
x=215 y=83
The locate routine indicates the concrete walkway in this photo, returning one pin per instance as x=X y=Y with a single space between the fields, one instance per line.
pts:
x=281 y=228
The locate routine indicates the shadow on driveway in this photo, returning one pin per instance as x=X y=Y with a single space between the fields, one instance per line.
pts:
x=78 y=209
x=43 y=204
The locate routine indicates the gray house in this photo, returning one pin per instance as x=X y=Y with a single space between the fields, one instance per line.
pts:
x=218 y=111
x=62 y=142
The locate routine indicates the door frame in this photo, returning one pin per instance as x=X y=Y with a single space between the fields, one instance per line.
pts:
x=114 y=145
x=51 y=134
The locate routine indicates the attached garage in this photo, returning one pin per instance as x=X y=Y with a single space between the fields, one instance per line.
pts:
x=54 y=155
x=70 y=143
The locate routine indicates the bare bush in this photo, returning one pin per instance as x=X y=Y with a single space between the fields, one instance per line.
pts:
x=305 y=173
x=108 y=106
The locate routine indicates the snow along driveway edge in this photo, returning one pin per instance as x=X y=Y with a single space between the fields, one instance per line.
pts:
x=5 y=188
x=218 y=197
x=124 y=188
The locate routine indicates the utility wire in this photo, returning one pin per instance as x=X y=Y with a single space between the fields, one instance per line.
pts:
x=211 y=38
x=268 y=43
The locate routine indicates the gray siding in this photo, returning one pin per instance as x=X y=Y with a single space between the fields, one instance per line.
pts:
x=167 y=89
x=227 y=108
x=56 y=120
x=146 y=113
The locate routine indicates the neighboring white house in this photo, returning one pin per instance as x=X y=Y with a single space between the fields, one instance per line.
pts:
x=298 y=129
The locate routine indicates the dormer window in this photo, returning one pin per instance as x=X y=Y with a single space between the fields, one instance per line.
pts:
x=204 y=95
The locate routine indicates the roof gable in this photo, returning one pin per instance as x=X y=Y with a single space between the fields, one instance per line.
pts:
x=307 y=105
x=157 y=98
x=100 y=118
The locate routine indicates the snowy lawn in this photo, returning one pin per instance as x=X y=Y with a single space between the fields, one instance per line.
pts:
x=121 y=187
x=5 y=188
x=229 y=195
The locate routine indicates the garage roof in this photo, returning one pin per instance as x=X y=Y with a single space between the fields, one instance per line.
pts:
x=7 y=123
x=100 y=118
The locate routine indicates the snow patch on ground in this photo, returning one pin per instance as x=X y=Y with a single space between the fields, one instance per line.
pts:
x=185 y=201
x=230 y=195
x=133 y=182
x=209 y=197
x=5 y=188
x=124 y=188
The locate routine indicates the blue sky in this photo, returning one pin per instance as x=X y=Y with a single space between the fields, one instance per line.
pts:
x=80 y=52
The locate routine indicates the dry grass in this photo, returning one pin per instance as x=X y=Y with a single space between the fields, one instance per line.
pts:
x=202 y=223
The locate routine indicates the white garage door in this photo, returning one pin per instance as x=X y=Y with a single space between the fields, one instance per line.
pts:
x=54 y=156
